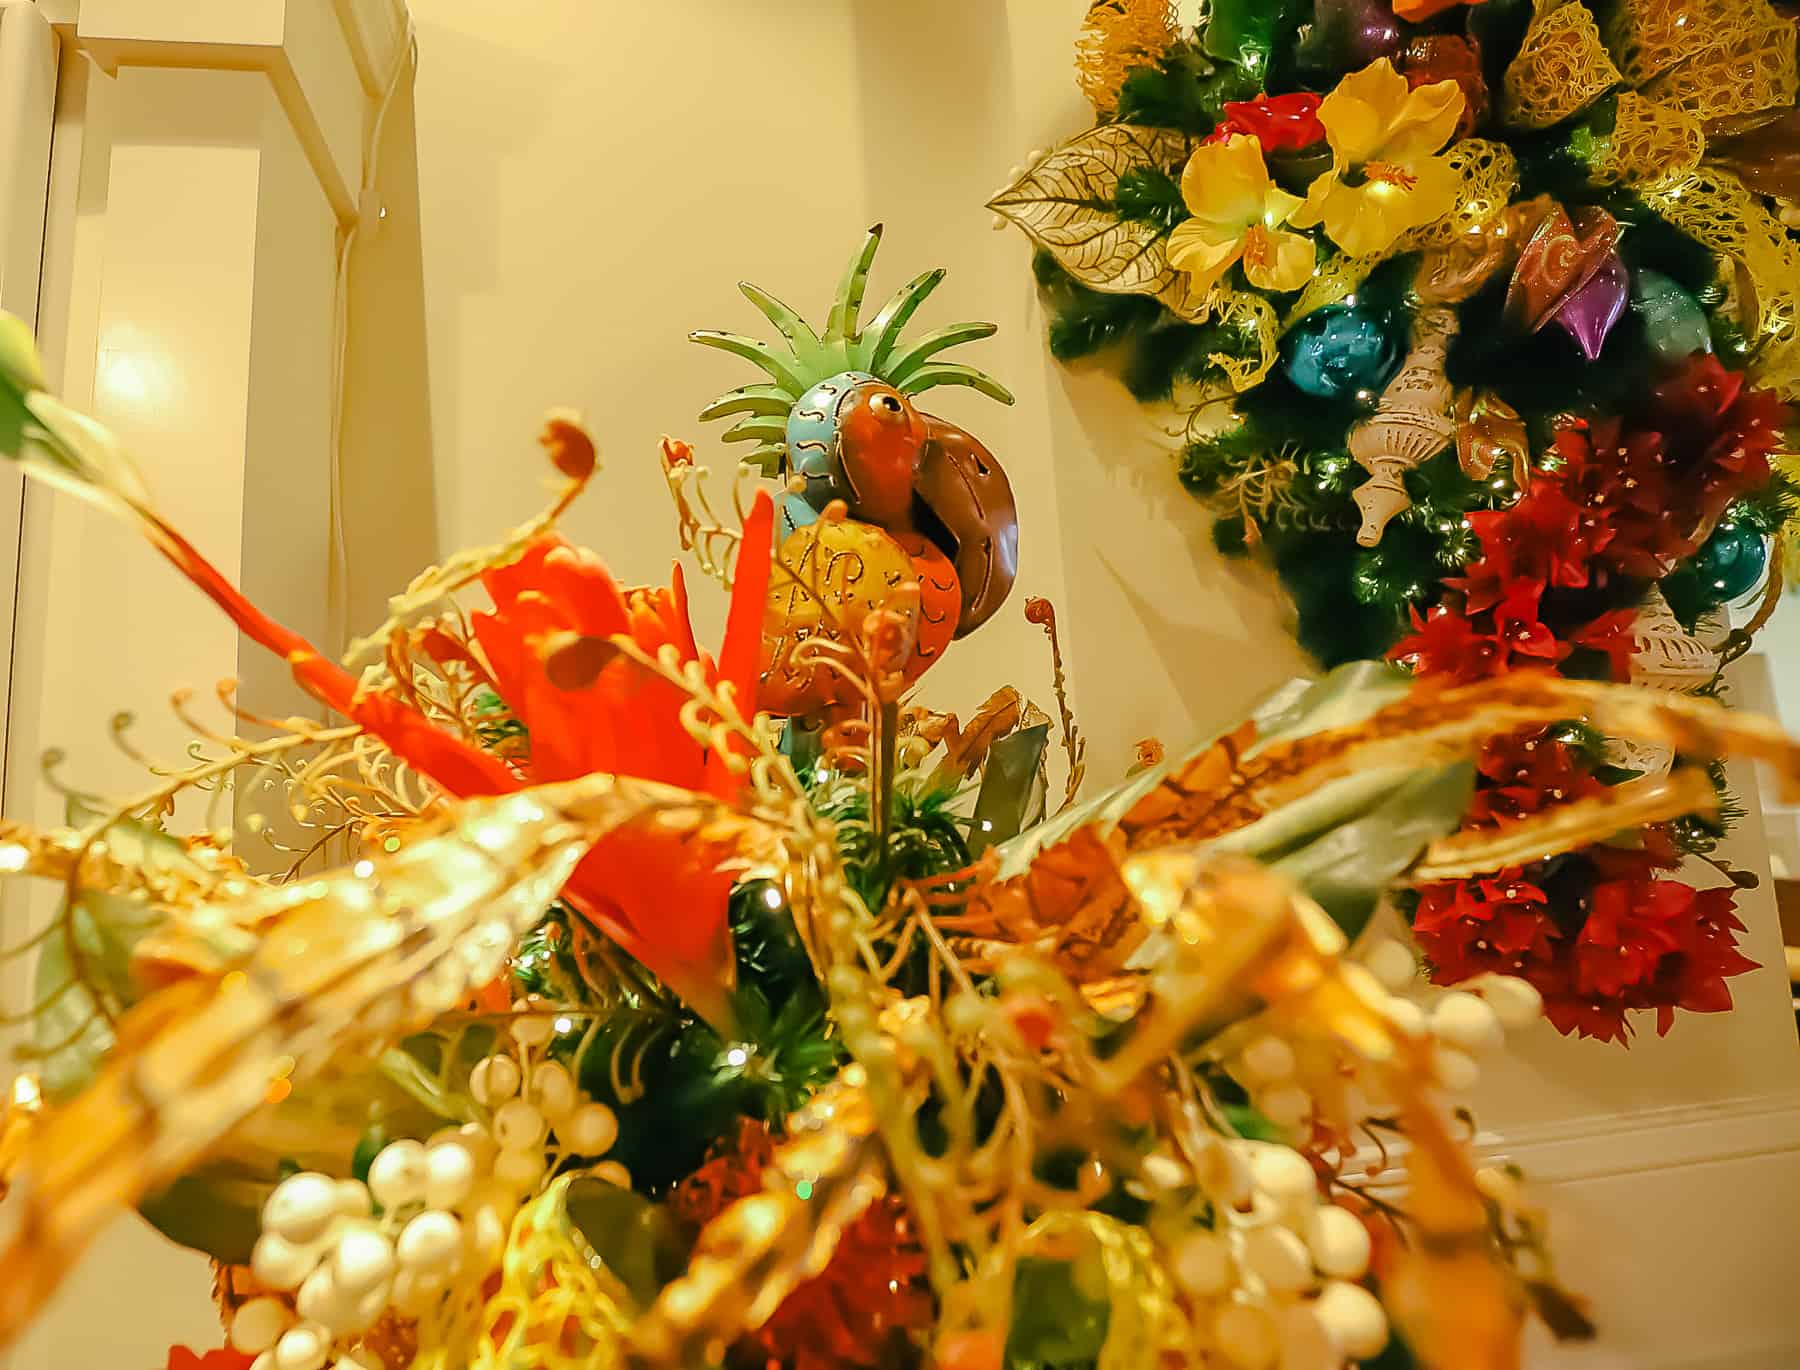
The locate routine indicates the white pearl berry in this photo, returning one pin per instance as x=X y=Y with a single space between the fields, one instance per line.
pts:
x=1467 y=1022
x=1246 y=1336
x=1353 y=1317
x=1281 y=1172
x=1278 y=1258
x=532 y=1030
x=431 y=1244
x=279 y=1263
x=494 y=1080
x=1456 y=1070
x=449 y=1174
x=1516 y=1003
x=1286 y=1106
x=362 y=1261
x=520 y=1168
x=1306 y=1344
x=590 y=1131
x=397 y=1174
x=1339 y=1242
x=1392 y=964
x=518 y=1125
x=1203 y=1264
x=552 y=1090
x=1266 y=1060
x=300 y=1206
x=302 y=1348
x=258 y=1325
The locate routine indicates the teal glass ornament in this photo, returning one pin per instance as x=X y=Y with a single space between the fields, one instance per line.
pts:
x=1731 y=562
x=1340 y=352
x=1674 y=323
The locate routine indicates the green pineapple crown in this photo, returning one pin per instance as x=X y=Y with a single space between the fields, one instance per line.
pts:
x=805 y=357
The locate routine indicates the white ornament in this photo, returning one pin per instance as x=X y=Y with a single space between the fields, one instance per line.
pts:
x=1413 y=421
x=1668 y=657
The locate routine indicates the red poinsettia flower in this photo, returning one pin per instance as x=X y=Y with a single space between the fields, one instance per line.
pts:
x=1543 y=537
x=1281 y=123
x=180 y=1358
x=1520 y=629
x=1612 y=634
x=1446 y=643
x=1526 y=773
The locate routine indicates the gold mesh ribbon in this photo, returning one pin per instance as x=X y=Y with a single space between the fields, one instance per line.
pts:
x=558 y=1307
x=1648 y=142
x=1561 y=68
x=1252 y=312
x=1487 y=173
x=1649 y=38
x=1117 y=36
x=1714 y=207
x=1146 y=1324
x=1743 y=70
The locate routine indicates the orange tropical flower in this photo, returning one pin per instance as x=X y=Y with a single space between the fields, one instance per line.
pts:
x=587 y=708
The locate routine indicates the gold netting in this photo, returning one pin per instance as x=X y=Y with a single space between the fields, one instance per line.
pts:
x=1250 y=311
x=1145 y=1324
x=1648 y=142
x=1713 y=206
x=1647 y=37
x=1744 y=67
x=1561 y=68
x=1117 y=36
x=1488 y=173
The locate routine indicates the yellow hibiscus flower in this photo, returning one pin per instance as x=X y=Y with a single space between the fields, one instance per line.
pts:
x=1384 y=178
x=1237 y=213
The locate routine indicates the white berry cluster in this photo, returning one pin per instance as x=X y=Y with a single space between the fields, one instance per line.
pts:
x=1294 y=1082
x=342 y=1253
x=1272 y=1283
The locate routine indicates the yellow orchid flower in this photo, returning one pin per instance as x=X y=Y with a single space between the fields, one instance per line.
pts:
x=1237 y=213
x=1385 y=177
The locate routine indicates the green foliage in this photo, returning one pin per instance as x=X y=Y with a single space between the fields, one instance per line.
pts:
x=1149 y=193
x=1057 y=1324
x=639 y=1241
x=1184 y=90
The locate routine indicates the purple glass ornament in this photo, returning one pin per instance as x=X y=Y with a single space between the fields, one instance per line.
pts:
x=1589 y=314
x=1368 y=26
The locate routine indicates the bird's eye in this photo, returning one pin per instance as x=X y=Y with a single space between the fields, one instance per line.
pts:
x=887 y=406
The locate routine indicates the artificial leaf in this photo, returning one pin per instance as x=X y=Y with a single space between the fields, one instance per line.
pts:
x=69 y=1032
x=637 y=1240
x=999 y=714
x=1066 y=204
x=1012 y=790
x=216 y=1210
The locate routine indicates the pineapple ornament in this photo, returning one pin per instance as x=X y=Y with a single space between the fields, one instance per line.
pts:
x=887 y=507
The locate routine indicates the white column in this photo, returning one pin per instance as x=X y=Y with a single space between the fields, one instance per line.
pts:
x=208 y=165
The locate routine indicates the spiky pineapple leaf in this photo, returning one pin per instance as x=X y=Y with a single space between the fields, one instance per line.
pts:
x=955 y=373
x=933 y=343
x=848 y=306
x=884 y=330
x=784 y=369
x=749 y=399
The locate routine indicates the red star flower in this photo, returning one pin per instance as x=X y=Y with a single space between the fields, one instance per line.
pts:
x=1445 y=643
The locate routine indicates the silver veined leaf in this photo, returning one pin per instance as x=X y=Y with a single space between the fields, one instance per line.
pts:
x=1065 y=205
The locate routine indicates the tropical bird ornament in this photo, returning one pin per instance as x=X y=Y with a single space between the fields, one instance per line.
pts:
x=887 y=508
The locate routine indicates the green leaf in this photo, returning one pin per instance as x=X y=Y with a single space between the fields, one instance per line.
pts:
x=1055 y=1321
x=216 y=1210
x=639 y=1240
x=70 y=1034
x=1011 y=791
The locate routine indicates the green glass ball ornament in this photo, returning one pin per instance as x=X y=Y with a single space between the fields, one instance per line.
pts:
x=1674 y=323
x=1341 y=352
x=1731 y=562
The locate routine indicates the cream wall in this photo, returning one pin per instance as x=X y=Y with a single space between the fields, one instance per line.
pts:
x=594 y=177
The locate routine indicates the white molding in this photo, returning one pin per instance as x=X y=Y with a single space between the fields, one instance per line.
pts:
x=1654 y=1139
